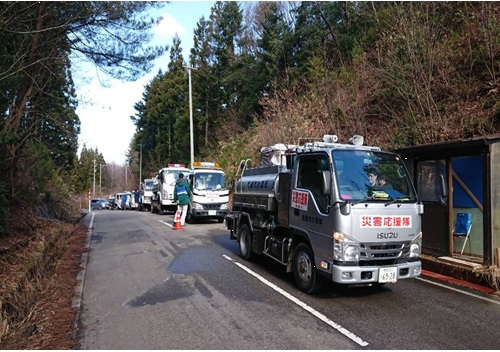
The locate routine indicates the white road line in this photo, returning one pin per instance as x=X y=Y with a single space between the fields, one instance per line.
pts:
x=166 y=223
x=301 y=304
x=457 y=290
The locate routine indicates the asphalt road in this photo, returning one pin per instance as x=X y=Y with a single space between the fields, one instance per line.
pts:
x=148 y=286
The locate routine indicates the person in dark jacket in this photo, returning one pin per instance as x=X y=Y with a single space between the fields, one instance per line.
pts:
x=181 y=196
x=384 y=185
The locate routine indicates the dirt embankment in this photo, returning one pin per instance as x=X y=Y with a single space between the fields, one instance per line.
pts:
x=39 y=263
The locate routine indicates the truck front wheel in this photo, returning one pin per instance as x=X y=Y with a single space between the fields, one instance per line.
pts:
x=304 y=271
x=245 y=242
x=189 y=217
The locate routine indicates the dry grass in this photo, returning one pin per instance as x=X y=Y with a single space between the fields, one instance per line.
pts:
x=490 y=274
x=38 y=270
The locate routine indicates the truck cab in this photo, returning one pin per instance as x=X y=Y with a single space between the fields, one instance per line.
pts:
x=209 y=194
x=146 y=194
x=118 y=200
x=339 y=201
x=163 y=188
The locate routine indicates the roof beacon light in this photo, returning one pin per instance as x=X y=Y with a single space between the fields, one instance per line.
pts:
x=330 y=138
x=176 y=165
x=205 y=164
x=356 y=140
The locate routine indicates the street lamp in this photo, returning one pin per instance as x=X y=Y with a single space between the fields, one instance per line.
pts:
x=191 y=138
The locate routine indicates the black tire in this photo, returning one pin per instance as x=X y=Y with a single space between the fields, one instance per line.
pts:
x=220 y=220
x=304 y=269
x=245 y=242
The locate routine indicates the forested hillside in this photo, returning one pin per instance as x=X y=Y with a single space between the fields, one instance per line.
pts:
x=399 y=73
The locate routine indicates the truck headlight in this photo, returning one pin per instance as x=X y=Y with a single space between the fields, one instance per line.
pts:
x=345 y=248
x=223 y=206
x=416 y=246
x=197 y=206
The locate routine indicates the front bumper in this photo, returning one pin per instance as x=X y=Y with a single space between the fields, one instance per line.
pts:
x=211 y=213
x=370 y=274
x=168 y=202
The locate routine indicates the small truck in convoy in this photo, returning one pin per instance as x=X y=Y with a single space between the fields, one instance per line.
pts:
x=163 y=188
x=209 y=194
x=146 y=192
x=321 y=211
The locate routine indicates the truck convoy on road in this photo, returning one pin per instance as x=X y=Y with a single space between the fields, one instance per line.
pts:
x=319 y=210
x=209 y=197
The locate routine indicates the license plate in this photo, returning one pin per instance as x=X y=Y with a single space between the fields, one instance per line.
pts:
x=388 y=274
x=212 y=212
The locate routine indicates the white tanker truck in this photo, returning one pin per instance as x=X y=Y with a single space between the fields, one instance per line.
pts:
x=323 y=212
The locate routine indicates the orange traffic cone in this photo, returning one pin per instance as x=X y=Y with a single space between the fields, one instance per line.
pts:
x=177 y=220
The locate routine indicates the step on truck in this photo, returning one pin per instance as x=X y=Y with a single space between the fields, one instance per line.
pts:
x=209 y=196
x=164 y=186
x=322 y=211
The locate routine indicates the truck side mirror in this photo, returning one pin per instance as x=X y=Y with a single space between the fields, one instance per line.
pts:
x=326 y=181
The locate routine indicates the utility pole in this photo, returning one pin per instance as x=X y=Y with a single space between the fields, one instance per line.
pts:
x=191 y=138
x=93 y=188
x=140 y=165
x=100 y=168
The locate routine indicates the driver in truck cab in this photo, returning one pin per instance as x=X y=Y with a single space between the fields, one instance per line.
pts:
x=373 y=179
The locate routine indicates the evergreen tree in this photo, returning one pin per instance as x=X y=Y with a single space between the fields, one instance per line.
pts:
x=274 y=51
x=202 y=83
x=177 y=105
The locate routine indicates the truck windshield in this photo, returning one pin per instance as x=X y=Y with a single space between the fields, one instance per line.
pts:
x=371 y=175
x=209 y=180
x=148 y=185
x=171 y=176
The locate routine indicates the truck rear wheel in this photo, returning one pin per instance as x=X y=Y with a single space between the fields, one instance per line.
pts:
x=245 y=242
x=304 y=271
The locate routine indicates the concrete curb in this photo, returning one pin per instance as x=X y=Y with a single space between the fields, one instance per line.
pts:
x=452 y=269
x=458 y=282
x=77 y=300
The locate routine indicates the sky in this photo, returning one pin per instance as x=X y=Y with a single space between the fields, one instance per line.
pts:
x=105 y=105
